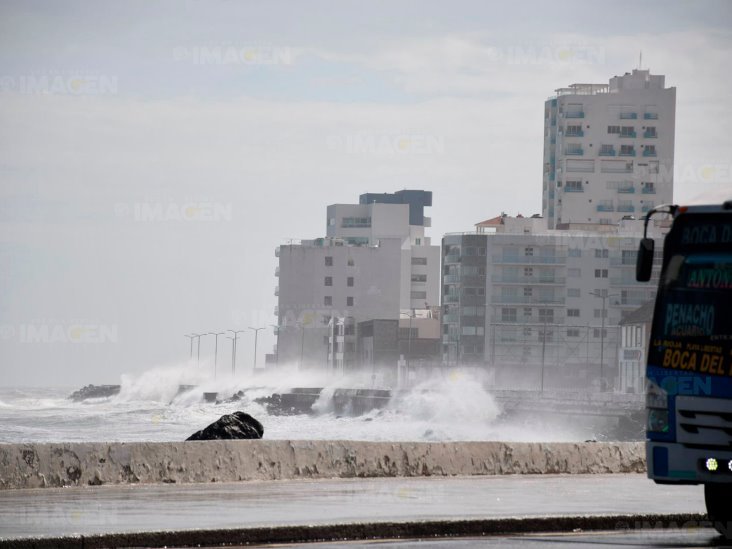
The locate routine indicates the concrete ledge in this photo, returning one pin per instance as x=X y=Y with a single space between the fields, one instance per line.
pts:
x=80 y=464
x=363 y=531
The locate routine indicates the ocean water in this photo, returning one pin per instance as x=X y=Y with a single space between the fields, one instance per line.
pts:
x=454 y=406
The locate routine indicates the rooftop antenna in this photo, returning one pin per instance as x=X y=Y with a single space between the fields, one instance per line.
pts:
x=640 y=60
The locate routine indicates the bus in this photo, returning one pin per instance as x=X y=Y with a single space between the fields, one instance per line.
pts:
x=689 y=359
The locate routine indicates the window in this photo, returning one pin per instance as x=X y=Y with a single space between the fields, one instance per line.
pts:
x=650 y=150
x=349 y=302
x=648 y=187
x=574 y=272
x=355 y=222
x=528 y=252
x=528 y=292
x=573 y=332
x=351 y=263
x=419 y=295
x=573 y=187
x=481 y=251
x=349 y=282
x=573 y=312
x=575 y=252
x=469 y=250
x=601 y=252
x=508 y=315
x=331 y=222
x=546 y=315
x=607 y=150
x=328 y=300
x=600 y=273
x=613 y=129
x=629 y=257
x=650 y=131
x=419 y=278
x=575 y=131
x=527 y=312
x=627 y=150
x=328 y=280
x=627 y=131
x=328 y=260
x=573 y=292
x=527 y=332
x=419 y=261
x=596 y=333
x=481 y=291
x=528 y=272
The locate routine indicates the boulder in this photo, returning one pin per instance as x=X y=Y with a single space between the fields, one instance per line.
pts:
x=238 y=425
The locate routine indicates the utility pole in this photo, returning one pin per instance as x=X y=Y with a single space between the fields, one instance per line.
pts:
x=190 y=336
x=216 y=348
x=602 y=295
x=409 y=339
x=256 y=333
x=233 y=348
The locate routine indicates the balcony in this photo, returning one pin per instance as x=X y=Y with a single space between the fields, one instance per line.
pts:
x=277 y=251
x=650 y=134
x=650 y=116
x=277 y=290
x=628 y=208
x=606 y=152
x=530 y=260
x=648 y=190
x=628 y=116
x=627 y=152
x=522 y=299
x=626 y=189
x=574 y=152
x=605 y=208
x=568 y=189
x=628 y=134
x=524 y=280
x=277 y=271
x=649 y=152
x=574 y=114
x=575 y=133
x=277 y=311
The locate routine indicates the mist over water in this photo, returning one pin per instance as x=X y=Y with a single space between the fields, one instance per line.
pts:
x=453 y=405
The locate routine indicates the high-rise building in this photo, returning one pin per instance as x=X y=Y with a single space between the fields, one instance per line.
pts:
x=375 y=262
x=608 y=149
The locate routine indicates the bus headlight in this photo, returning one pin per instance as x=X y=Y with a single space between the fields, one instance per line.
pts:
x=657 y=420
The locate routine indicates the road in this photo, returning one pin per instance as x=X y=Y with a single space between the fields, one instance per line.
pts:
x=139 y=508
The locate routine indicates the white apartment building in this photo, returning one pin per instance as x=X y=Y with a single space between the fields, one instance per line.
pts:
x=608 y=149
x=540 y=308
x=375 y=263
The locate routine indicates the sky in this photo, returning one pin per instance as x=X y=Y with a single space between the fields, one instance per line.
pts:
x=154 y=154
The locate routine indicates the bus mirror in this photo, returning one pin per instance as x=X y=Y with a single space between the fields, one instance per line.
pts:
x=644 y=264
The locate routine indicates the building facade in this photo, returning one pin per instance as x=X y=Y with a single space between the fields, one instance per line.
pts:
x=373 y=263
x=608 y=149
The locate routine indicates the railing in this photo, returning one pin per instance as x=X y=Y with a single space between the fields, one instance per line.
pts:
x=574 y=115
x=626 y=208
x=646 y=209
x=650 y=135
x=628 y=115
x=628 y=134
x=626 y=190
x=527 y=279
x=650 y=116
x=451 y=298
x=452 y=258
x=610 y=152
x=573 y=189
x=574 y=152
x=647 y=152
x=531 y=260
x=627 y=153
x=452 y=279
x=648 y=190
x=575 y=133
x=605 y=208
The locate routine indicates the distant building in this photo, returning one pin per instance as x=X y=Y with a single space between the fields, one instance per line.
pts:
x=527 y=303
x=608 y=149
x=635 y=334
x=375 y=262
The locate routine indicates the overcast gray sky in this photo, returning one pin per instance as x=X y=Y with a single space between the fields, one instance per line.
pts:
x=153 y=154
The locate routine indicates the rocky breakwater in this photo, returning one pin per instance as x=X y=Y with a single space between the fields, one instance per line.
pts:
x=94 y=391
x=238 y=425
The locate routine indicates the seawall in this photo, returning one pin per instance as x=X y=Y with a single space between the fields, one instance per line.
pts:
x=95 y=463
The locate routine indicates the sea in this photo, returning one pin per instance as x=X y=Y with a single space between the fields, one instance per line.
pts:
x=454 y=406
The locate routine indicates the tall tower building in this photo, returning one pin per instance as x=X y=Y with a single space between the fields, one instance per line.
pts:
x=608 y=150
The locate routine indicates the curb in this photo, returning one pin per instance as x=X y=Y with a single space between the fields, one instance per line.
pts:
x=365 y=531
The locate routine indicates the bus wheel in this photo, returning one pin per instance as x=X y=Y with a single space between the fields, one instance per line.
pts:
x=717 y=497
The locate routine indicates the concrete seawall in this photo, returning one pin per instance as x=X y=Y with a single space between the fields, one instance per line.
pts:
x=79 y=464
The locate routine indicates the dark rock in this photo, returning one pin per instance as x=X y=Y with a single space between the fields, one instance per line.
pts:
x=94 y=391
x=238 y=425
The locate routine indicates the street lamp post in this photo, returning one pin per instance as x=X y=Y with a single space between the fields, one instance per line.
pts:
x=216 y=348
x=277 y=345
x=602 y=295
x=256 y=333
x=233 y=348
x=409 y=339
x=190 y=337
